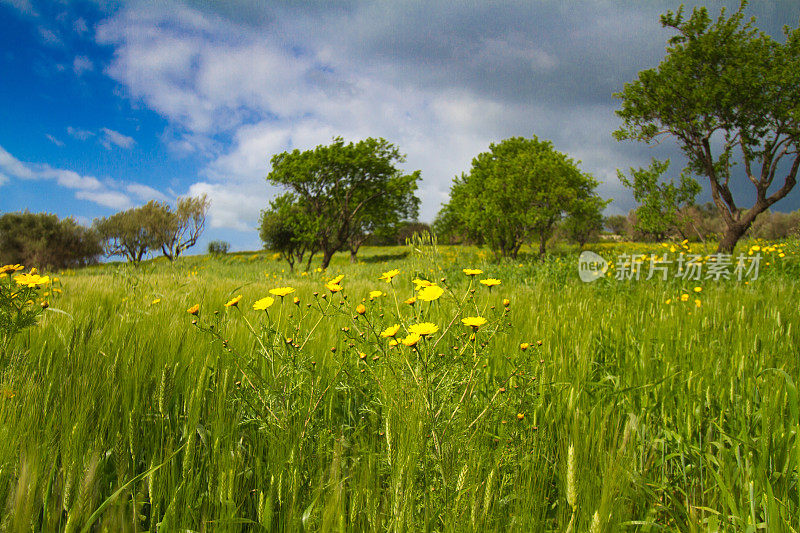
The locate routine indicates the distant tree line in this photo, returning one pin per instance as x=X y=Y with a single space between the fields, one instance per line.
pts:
x=45 y=241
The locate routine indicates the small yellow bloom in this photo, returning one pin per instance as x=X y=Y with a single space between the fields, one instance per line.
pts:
x=473 y=321
x=154 y=302
x=234 y=302
x=360 y=309
x=491 y=282
x=11 y=268
x=282 y=291
x=375 y=294
x=387 y=276
x=412 y=339
x=337 y=279
x=684 y=297
x=296 y=300
x=424 y=328
x=755 y=248
x=697 y=303
x=472 y=271
x=506 y=302
x=524 y=346
x=411 y=301
x=430 y=293
x=698 y=289
x=520 y=416
x=669 y=301
x=263 y=304
x=391 y=331
x=333 y=287
x=419 y=283
x=194 y=310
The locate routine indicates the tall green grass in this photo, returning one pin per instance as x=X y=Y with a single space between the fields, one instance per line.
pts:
x=118 y=415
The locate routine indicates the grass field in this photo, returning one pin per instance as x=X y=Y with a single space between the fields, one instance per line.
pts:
x=632 y=408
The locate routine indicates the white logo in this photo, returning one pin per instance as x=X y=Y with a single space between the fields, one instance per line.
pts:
x=591 y=266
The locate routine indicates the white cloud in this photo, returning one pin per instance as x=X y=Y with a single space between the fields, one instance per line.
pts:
x=111 y=137
x=111 y=194
x=78 y=133
x=145 y=193
x=54 y=140
x=232 y=208
x=112 y=199
x=80 y=26
x=23 y=6
x=81 y=65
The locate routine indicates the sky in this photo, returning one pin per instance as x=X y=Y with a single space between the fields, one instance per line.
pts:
x=105 y=105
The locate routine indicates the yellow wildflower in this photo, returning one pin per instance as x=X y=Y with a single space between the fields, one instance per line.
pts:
x=420 y=283
x=412 y=339
x=430 y=293
x=411 y=301
x=473 y=321
x=337 y=279
x=698 y=289
x=360 y=309
x=391 y=331
x=263 y=303
x=424 y=328
x=472 y=271
x=333 y=287
x=524 y=346
x=234 y=302
x=375 y=294
x=193 y=310
x=491 y=282
x=282 y=291
x=387 y=276
x=684 y=297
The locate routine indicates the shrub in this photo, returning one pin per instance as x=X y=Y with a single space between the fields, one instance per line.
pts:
x=218 y=247
x=41 y=239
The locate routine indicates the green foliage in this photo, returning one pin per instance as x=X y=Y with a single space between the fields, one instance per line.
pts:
x=725 y=90
x=345 y=191
x=218 y=247
x=662 y=206
x=177 y=231
x=644 y=415
x=289 y=229
x=516 y=191
x=153 y=226
x=617 y=224
x=43 y=240
x=584 y=221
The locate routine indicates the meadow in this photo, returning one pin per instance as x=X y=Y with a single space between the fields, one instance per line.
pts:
x=142 y=402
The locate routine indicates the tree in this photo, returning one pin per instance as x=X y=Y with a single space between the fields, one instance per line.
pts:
x=345 y=189
x=662 y=206
x=134 y=232
x=516 y=191
x=727 y=93
x=288 y=229
x=179 y=230
x=218 y=247
x=585 y=219
x=617 y=224
x=42 y=240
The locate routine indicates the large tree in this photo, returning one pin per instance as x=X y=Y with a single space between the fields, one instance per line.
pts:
x=133 y=232
x=287 y=228
x=44 y=241
x=515 y=192
x=346 y=189
x=727 y=93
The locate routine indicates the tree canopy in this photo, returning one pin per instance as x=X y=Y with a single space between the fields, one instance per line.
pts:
x=727 y=93
x=42 y=240
x=345 y=191
x=662 y=205
x=517 y=191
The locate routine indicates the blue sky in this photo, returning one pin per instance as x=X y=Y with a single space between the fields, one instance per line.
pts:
x=106 y=105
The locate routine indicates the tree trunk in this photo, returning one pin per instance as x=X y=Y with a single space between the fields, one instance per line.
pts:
x=326 y=258
x=542 y=243
x=731 y=236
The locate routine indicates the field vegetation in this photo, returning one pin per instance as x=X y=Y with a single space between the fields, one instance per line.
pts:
x=155 y=398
